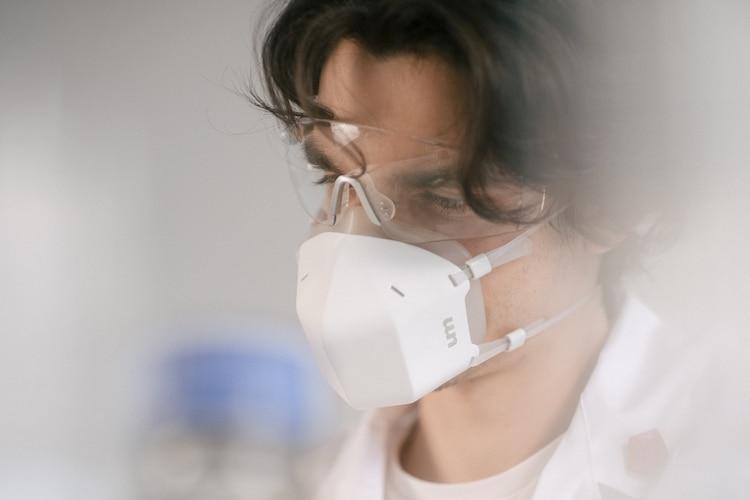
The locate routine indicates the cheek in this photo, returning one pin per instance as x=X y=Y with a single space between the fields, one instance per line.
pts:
x=508 y=294
x=525 y=290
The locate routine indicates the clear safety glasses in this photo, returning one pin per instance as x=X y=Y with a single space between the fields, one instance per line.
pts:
x=405 y=185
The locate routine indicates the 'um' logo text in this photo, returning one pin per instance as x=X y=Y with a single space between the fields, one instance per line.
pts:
x=450 y=331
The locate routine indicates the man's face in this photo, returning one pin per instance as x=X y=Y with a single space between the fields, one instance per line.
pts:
x=425 y=97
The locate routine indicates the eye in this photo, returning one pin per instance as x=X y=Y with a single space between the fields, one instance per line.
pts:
x=447 y=205
x=445 y=202
x=319 y=166
x=444 y=192
x=320 y=175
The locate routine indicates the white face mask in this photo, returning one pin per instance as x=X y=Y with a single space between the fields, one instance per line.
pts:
x=390 y=322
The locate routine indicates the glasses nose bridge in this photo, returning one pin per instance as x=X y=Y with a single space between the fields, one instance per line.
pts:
x=342 y=197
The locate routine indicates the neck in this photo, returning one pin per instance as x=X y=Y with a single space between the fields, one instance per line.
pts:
x=505 y=410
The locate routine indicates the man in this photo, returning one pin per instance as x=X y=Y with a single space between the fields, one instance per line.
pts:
x=473 y=214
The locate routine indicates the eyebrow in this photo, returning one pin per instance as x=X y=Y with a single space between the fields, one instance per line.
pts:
x=432 y=178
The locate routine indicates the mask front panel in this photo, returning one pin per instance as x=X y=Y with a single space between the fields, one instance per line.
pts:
x=385 y=321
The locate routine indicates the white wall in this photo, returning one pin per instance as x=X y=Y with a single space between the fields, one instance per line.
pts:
x=136 y=191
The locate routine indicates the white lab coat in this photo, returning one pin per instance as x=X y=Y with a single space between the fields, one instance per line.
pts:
x=634 y=410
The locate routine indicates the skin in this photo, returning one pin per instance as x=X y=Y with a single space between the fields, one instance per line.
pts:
x=498 y=414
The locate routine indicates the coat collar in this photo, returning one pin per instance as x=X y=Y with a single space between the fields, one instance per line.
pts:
x=632 y=415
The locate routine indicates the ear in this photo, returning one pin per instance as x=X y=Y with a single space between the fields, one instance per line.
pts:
x=600 y=234
x=604 y=246
x=604 y=235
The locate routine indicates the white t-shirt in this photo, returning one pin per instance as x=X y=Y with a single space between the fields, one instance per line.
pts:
x=517 y=483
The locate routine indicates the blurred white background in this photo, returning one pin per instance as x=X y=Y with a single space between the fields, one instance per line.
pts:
x=140 y=196
x=137 y=193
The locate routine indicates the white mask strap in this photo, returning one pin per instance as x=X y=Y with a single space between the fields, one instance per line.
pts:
x=482 y=264
x=516 y=338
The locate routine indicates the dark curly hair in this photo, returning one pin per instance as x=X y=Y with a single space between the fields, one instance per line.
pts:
x=556 y=102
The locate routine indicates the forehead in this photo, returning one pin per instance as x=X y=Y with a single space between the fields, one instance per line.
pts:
x=411 y=95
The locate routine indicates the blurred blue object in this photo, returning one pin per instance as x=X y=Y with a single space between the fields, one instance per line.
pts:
x=222 y=387
x=256 y=387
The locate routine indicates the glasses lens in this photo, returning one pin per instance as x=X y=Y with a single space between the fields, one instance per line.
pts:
x=411 y=185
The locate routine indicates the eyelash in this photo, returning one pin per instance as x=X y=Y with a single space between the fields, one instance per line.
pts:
x=445 y=204
x=326 y=178
x=328 y=174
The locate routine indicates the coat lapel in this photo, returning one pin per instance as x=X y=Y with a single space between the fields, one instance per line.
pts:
x=632 y=415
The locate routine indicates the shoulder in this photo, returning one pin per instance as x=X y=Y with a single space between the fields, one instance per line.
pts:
x=636 y=411
x=644 y=355
x=646 y=376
